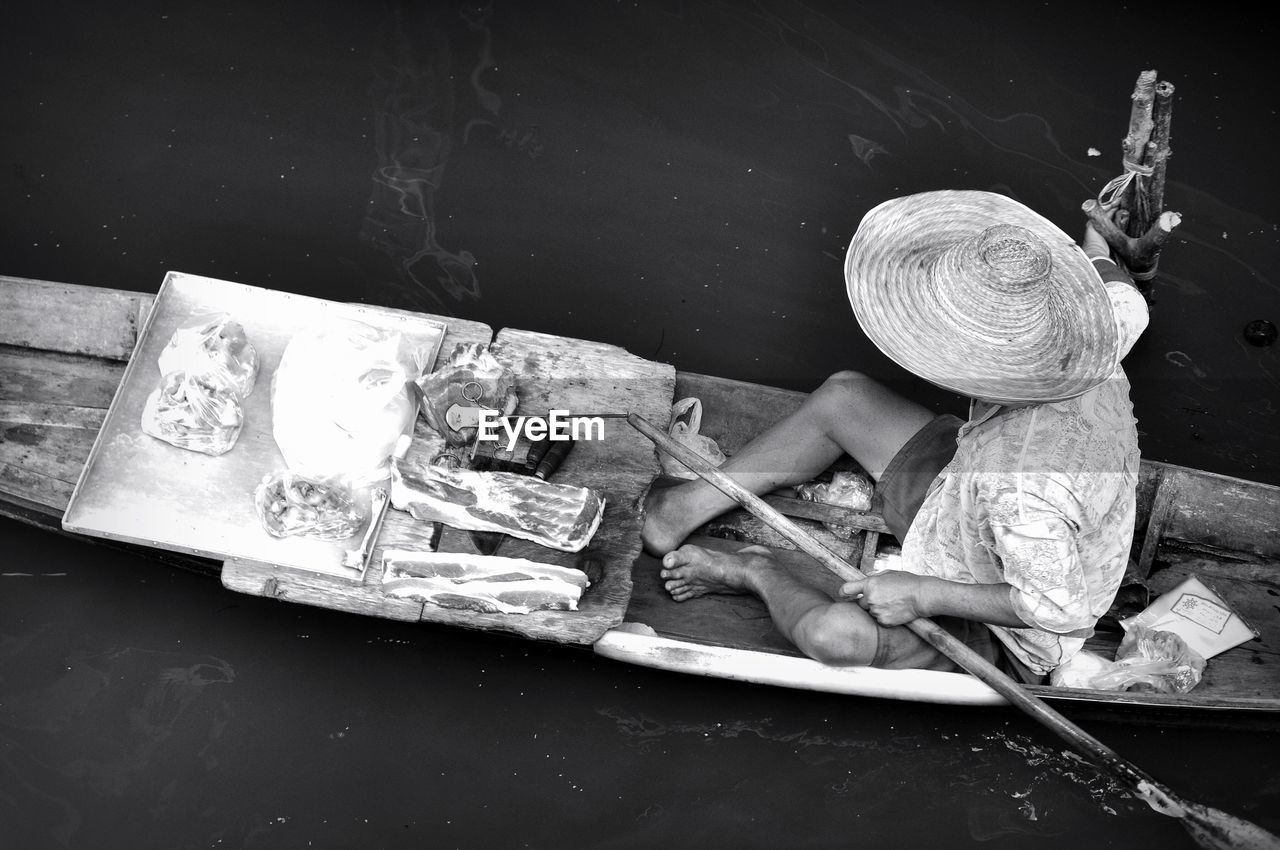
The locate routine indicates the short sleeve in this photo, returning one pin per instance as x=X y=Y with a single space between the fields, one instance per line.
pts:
x=1127 y=303
x=1036 y=545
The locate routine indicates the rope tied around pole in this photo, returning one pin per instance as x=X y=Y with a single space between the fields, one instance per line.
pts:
x=1134 y=173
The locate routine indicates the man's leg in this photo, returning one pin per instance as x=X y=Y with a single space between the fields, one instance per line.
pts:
x=834 y=633
x=850 y=413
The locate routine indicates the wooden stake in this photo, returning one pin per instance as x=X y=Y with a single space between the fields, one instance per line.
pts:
x=1157 y=157
x=1143 y=225
x=1134 y=146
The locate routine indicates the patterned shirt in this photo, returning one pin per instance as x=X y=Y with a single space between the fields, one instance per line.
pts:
x=1041 y=497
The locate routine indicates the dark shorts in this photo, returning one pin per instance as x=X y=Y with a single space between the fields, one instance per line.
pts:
x=906 y=479
x=902 y=489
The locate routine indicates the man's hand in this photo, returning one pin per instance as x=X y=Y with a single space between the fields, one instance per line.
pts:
x=892 y=597
x=1095 y=247
x=895 y=597
x=1094 y=244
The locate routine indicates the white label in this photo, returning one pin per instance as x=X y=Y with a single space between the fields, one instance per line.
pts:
x=1202 y=612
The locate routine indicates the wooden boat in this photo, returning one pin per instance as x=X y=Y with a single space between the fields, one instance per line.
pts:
x=67 y=354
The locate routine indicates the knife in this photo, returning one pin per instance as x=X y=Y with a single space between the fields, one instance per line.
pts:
x=545 y=457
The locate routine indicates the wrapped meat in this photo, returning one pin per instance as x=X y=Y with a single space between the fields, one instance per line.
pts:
x=561 y=516
x=341 y=398
x=216 y=348
x=290 y=504
x=485 y=583
x=470 y=377
x=192 y=412
x=846 y=489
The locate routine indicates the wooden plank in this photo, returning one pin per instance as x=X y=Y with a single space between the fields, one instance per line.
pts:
x=1163 y=506
x=70 y=319
x=1227 y=513
x=27 y=488
x=58 y=453
x=822 y=512
x=739 y=525
x=733 y=412
x=276 y=582
x=51 y=415
x=870 y=544
x=43 y=448
x=1187 y=702
x=43 y=377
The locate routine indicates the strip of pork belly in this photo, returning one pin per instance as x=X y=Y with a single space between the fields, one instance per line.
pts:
x=561 y=516
x=485 y=583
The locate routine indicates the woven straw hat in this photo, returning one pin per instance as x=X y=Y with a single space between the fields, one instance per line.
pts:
x=978 y=294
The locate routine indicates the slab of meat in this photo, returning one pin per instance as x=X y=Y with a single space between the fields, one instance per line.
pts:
x=486 y=583
x=561 y=516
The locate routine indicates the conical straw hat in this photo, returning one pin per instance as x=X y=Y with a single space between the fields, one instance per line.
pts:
x=978 y=294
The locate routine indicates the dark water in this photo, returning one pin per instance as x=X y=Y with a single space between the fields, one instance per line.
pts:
x=143 y=707
x=680 y=179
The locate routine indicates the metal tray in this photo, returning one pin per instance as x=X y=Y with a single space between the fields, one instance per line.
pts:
x=142 y=490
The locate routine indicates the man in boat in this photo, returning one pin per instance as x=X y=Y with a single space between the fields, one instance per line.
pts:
x=1015 y=524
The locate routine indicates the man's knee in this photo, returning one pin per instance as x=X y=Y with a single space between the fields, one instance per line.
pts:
x=842 y=396
x=843 y=389
x=836 y=636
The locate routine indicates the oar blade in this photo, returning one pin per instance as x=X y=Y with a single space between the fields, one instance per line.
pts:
x=1216 y=830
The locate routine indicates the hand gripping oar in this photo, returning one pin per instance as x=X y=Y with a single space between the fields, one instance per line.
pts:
x=1210 y=827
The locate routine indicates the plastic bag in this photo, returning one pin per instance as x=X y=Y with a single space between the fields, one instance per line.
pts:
x=1147 y=660
x=847 y=489
x=470 y=377
x=191 y=412
x=216 y=348
x=686 y=421
x=289 y=504
x=1195 y=612
x=342 y=397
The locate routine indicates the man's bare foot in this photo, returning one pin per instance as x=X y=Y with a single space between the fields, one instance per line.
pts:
x=666 y=521
x=692 y=571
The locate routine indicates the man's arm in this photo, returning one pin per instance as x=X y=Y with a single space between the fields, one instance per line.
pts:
x=895 y=597
x=1127 y=301
x=1099 y=253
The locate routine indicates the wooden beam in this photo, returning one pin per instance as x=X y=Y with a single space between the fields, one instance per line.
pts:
x=51 y=415
x=31 y=488
x=1162 y=509
x=44 y=377
x=823 y=512
x=70 y=319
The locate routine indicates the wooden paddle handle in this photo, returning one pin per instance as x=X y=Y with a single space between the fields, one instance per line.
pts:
x=1155 y=794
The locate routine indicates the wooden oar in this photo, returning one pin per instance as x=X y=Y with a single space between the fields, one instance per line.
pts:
x=1210 y=827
